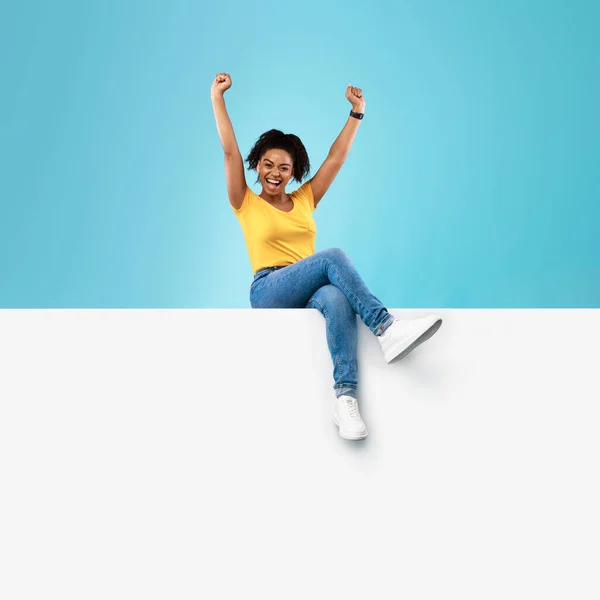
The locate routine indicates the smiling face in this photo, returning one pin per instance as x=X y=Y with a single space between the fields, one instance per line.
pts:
x=275 y=169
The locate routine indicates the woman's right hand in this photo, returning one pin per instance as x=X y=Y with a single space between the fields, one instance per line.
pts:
x=220 y=85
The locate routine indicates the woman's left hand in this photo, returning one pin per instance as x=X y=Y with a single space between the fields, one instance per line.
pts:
x=355 y=97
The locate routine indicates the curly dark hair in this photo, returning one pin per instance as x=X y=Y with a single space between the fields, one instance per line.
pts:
x=288 y=142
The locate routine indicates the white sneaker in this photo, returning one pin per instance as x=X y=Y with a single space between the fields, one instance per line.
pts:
x=404 y=335
x=347 y=417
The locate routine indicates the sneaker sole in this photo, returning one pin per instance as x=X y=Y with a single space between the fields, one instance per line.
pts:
x=349 y=436
x=400 y=350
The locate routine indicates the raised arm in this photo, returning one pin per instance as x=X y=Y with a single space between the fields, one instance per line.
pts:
x=339 y=151
x=234 y=164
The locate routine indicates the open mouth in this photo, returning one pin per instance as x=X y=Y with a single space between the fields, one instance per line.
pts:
x=273 y=184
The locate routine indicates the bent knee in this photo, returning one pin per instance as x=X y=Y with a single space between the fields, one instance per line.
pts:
x=331 y=297
x=331 y=294
x=337 y=255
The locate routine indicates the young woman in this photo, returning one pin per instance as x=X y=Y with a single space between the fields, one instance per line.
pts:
x=280 y=232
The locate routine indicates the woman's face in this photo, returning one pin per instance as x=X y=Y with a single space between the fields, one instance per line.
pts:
x=275 y=169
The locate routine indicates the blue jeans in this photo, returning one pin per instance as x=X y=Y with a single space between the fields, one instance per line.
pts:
x=328 y=282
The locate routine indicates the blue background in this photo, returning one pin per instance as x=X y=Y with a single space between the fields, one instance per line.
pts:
x=473 y=181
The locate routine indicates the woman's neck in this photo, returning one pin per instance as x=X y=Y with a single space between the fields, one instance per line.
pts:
x=278 y=199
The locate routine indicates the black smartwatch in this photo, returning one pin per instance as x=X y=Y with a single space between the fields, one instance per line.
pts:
x=356 y=115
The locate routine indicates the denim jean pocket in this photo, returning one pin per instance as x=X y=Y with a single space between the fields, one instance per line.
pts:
x=255 y=296
x=254 y=289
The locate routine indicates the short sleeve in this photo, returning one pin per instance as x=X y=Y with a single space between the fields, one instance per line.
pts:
x=245 y=202
x=305 y=192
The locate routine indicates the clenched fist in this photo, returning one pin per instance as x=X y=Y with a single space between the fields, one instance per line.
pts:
x=355 y=97
x=220 y=85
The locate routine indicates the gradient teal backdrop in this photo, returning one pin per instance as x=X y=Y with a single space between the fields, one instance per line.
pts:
x=473 y=181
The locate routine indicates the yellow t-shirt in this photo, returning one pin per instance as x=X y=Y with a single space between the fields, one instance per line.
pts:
x=275 y=238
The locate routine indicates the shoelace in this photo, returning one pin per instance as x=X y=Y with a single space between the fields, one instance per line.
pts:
x=352 y=407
